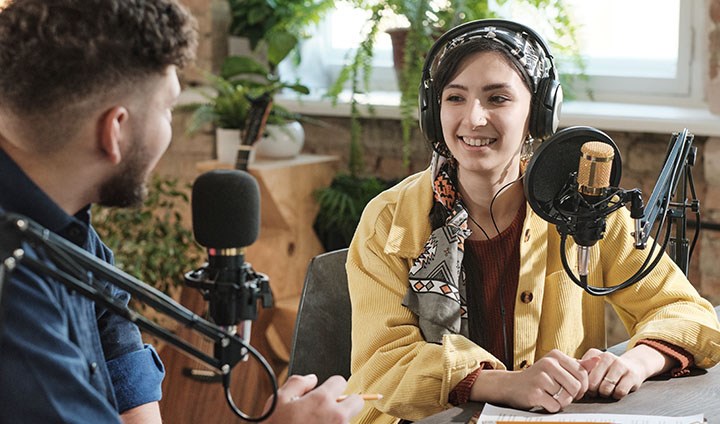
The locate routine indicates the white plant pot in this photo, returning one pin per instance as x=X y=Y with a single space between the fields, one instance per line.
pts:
x=281 y=141
x=227 y=142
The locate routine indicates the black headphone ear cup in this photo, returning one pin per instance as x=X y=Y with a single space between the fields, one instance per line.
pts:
x=545 y=111
x=424 y=114
x=437 y=123
x=430 y=116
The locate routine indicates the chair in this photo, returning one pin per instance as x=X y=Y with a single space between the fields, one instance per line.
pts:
x=321 y=342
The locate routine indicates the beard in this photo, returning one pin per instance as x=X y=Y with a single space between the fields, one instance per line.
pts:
x=128 y=187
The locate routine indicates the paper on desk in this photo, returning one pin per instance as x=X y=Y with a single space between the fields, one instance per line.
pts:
x=492 y=414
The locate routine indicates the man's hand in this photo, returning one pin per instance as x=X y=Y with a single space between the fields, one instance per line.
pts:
x=299 y=403
x=144 y=414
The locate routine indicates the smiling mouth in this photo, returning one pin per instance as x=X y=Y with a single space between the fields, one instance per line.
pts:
x=477 y=142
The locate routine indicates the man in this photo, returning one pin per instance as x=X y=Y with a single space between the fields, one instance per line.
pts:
x=86 y=95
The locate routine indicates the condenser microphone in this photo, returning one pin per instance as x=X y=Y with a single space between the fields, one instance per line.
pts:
x=572 y=182
x=226 y=219
x=593 y=182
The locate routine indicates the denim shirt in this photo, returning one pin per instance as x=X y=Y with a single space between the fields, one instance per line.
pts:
x=64 y=358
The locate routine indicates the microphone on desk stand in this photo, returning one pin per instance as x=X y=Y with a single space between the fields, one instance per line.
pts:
x=226 y=219
x=571 y=182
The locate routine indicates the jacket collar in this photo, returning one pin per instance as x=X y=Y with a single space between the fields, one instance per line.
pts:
x=410 y=227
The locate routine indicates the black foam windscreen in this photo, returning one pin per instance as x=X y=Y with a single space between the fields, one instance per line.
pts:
x=225 y=209
x=551 y=165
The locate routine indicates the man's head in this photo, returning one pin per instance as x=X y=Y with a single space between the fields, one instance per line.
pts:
x=68 y=65
x=60 y=58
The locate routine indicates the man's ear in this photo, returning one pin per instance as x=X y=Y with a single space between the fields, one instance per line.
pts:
x=112 y=129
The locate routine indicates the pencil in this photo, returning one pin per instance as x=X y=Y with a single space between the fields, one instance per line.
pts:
x=371 y=396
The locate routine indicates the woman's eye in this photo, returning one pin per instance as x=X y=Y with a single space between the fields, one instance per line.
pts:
x=453 y=98
x=498 y=99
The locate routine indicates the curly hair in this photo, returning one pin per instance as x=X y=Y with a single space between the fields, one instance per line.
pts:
x=55 y=53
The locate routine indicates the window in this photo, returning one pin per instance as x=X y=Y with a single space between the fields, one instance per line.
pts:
x=635 y=51
x=629 y=56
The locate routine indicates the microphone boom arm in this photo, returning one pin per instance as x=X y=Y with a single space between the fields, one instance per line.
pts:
x=680 y=157
x=80 y=271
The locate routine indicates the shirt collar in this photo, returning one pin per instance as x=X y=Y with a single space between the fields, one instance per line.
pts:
x=19 y=194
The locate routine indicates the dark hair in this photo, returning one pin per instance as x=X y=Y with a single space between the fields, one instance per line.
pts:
x=446 y=67
x=56 y=53
x=450 y=62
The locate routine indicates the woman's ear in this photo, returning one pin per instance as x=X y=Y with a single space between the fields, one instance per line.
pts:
x=112 y=128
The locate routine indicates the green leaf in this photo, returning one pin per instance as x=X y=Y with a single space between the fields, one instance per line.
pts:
x=239 y=65
x=280 y=43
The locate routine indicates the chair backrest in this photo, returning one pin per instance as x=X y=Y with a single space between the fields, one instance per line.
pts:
x=321 y=342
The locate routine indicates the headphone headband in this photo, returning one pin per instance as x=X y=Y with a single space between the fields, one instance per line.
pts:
x=520 y=41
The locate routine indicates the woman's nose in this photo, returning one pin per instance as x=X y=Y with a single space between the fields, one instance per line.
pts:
x=477 y=115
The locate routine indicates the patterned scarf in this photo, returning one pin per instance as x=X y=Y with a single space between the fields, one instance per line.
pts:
x=437 y=278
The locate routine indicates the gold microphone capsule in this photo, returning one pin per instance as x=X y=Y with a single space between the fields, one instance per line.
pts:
x=595 y=168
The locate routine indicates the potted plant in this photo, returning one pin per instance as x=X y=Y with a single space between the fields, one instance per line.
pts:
x=426 y=21
x=341 y=205
x=281 y=135
x=238 y=103
x=225 y=107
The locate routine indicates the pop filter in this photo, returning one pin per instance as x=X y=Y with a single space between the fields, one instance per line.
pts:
x=551 y=165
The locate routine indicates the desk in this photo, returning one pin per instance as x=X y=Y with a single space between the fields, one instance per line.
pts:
x=697 y=393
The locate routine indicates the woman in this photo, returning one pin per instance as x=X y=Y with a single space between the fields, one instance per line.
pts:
x=457 y=287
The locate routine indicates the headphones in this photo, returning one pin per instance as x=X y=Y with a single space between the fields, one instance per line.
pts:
x=516 y=38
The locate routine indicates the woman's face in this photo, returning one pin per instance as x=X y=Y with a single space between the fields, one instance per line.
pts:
x=484 y=112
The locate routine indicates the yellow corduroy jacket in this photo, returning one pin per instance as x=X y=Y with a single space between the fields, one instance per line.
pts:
x=390 y=356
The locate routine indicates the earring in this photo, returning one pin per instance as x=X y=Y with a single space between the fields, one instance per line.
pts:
x=526 y=152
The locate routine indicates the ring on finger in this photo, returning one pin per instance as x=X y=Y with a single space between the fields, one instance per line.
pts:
x=294 y=398
x=611 y=381
x=557 y=395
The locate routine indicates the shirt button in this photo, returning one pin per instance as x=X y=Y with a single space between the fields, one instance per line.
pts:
x=527 y=235
x=524 y=364
x=93 y=367
x=526 y=297
x=75 y=234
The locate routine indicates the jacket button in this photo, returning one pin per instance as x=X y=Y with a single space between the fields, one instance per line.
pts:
x=93 y=367
x=526 y=297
